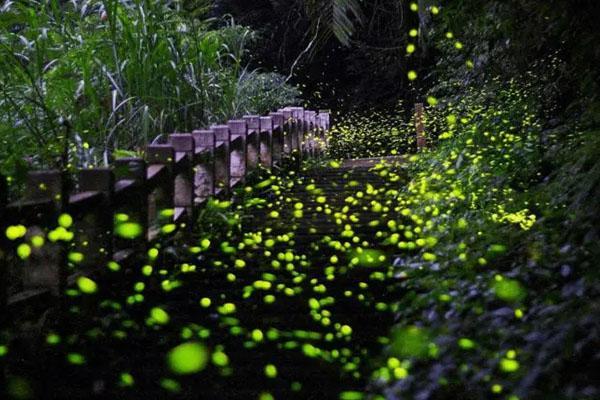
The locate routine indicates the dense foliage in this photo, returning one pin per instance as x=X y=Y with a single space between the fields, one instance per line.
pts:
x=502 y=300
x=466 y=271
x=107 y=75
x=502 y=38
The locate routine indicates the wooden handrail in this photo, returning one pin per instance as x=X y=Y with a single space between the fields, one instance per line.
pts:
x=142 y=195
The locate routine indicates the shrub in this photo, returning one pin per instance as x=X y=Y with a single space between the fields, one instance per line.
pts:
x=107 y=74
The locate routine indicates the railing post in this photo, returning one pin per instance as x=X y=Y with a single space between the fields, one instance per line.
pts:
x=93 y=216
x=131 y=208
x=288 y=128
x=309 y=145
x=278 y=136
x=237 y=163
x=300 y=129
x=420 y=127
x=266 y=141
x=183 y=201
x=252 y=141
x=222 y=158
x=45 y=267
x=324 y=127
x=161 y=187
x=204 y=173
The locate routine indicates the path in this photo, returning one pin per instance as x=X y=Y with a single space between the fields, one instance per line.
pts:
x=297 y=308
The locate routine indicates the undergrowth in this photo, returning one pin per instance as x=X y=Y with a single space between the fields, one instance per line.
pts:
x=495 y=257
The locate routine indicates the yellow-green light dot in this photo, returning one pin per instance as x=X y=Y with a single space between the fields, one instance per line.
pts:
x=76 y=358
x=205 y=302
x=113 y=266
x=24 y=251
x=187 y=358
x=352 y=395
x=269 y=299
x=52 y=339
x=37 y=241
x=153 y=253
x=220 y=359
x=65 y=220
x=128 y=230
x=508 y=365
x=465 y=343
x=15 y=232
x=86 y=285
x=432 y=101
x=227 y=308
x=126 y=379
x=346 y=330
x=170 y=385
x=412 y=75
x=168 y=229
x=257 y=335
x=270 y=371
x=400 y=373
x=265 y=396
x=76 y=257
x=159 y=315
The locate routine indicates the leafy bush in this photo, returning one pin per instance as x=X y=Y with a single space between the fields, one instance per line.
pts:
x=111 y=74
x=260 y=93
x=497 y=293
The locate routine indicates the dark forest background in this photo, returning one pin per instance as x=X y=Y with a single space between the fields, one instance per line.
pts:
x=349 y=54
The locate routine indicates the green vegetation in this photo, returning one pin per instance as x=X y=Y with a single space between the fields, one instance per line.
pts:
x=462 y=271
x=108 y=77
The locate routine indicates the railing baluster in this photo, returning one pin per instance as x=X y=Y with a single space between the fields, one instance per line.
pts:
x=278 y=136
x=204 y=171
x=324 y=121
x=43 y=269
x=161 y=187
x=237 y=163
x=309 y=145
x=92 y=213
x=252 y=141
x=183 y=201
x=266 y=142
x=222 y=159
x=299 y=130
x=288 y=128
x=131 y=208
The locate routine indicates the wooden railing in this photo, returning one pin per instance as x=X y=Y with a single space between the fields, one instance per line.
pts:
x=113 y=213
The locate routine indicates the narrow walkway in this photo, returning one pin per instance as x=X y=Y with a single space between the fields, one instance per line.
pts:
x=296 y=308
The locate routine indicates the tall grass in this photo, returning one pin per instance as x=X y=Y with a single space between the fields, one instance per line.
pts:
x=112 y=74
